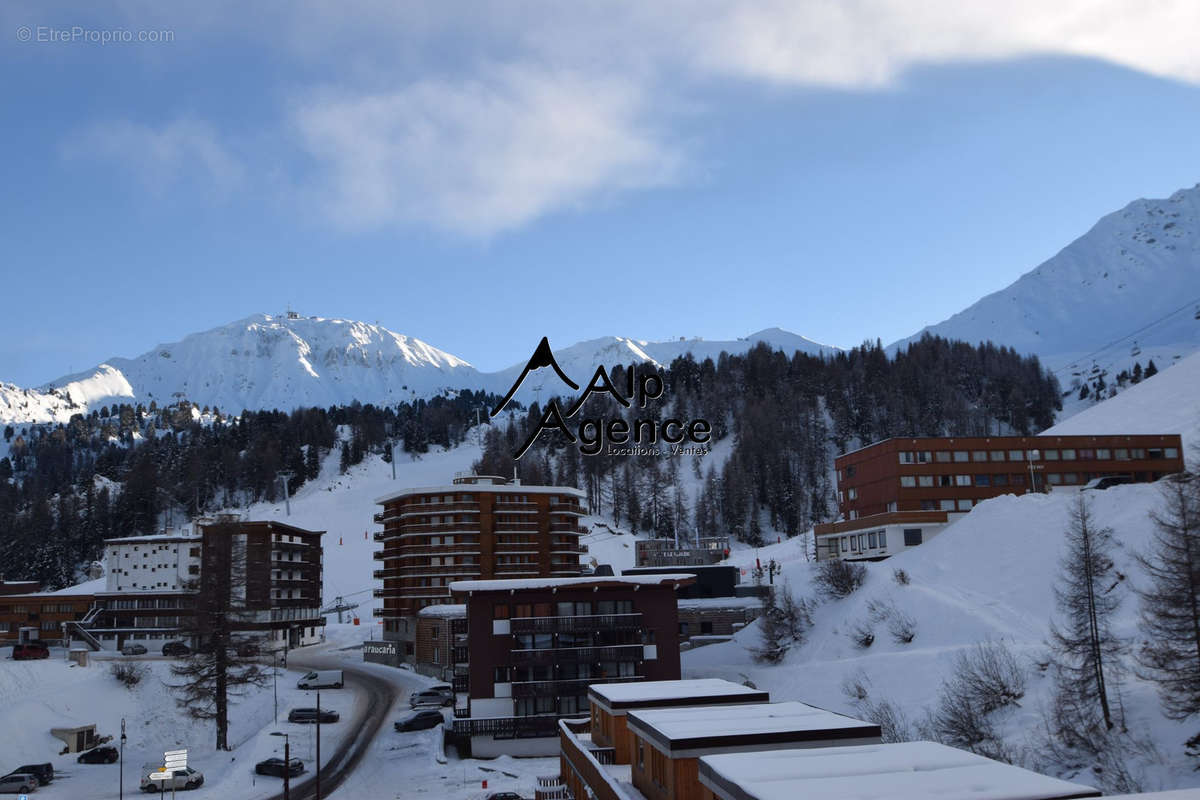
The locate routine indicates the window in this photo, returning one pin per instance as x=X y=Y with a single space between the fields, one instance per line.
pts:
x=999 y=480
x=1016 y=455
x=925 y=480
x=961 y=455
x=929 y=505
x=1103 y=453
x=946 y=505
x=1050 y=455
x=862 y=541
x=500 y=611
x=705 y=627
x=871 y=540
x=942 y=456
x=907 y=482
x=1070 y=478
x=965 y=505
x=501 y=675
x=979 y=455
x=436 y=660
x=641 y=748
x=852 y=494
x=1068 y=455
x=845 y=544
x=983 y=480
x=996 y=455
x=907 y=457
x=1054 y=478
x=945 y=480
x=1170 y=452
x=962 y=480
x=1155 y=452
x=1122 y=454
x=851 y=470
x=1137 y=454
x=924 y=457
x=912 y=537
x=883 y=539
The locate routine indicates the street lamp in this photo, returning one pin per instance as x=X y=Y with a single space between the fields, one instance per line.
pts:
x=1031 y=456
x=318 y=744
x=121 y=777
x=287 y=764
x=275 y=681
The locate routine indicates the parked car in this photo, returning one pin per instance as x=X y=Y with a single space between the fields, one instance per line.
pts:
x=18 y=783
x=420 y=720
x=186 y=778
x=1105 y=482
x=43 y=772
x=430 y=697
x=322 y=679
x=446 y=689
x=176 y=649
x=133 y=649
x=246 y=649
x=30 y=650
x=311 y=714
x=99 y=755
x=276 y=767
x=504 y=796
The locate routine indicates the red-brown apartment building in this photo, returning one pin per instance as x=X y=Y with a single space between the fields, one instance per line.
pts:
x=899 y=492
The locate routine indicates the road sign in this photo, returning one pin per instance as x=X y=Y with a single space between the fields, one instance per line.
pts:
x=175 y=759
x=160 y=775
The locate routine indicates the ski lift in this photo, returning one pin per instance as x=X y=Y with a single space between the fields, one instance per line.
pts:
x=1136 y=351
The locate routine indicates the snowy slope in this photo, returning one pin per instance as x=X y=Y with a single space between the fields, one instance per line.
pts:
x=1169 y=402
x=987 y=577
x=1134 y=277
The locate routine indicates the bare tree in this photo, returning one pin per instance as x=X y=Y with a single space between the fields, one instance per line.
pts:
x=1170 y=606
x=1087 y=651
x=223 y=667
x=837 y=578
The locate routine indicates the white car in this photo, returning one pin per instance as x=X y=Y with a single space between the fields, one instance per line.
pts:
x=186 y=778
x=18 y=783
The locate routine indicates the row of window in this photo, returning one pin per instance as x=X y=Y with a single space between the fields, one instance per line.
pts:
x=582 y=608
x=562 y=706
x=877 y=540
x=946 y=481
x=51 y=608
x=1049 y=454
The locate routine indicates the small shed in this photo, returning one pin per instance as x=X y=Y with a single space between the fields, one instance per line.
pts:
x=78 y=739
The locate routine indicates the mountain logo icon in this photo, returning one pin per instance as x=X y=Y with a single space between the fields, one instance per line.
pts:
x=542 y=356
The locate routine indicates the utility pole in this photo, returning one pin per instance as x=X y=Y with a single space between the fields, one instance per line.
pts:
x=393 y=465
x=318 y=744
x=275 y=681
x=121 y=777
x=287 y=764
x=284 y=476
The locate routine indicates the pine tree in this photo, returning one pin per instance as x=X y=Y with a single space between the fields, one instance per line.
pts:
x=1151 y=370
x=773 y=645
x=1087 y=651
x=1170 y=606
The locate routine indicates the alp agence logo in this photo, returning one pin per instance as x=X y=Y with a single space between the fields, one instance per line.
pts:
x=597 y=435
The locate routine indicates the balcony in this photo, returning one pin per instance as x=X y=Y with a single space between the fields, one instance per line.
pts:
x=441 y=529
x=460 y=683
x=469 y=547
x=379 y=517
x=380 y=536
x=508 y=727
x=382 y=612
x=593 y=622
x=380 y=555
x=460 y=655
x=413 y=509
x=576 y=655
x=381 y=574
x=565 y=687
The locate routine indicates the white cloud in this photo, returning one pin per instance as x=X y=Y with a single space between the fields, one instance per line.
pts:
x=162 y=156
x=482 y=155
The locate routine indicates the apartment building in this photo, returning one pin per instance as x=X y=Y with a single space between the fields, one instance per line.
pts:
x=898 y=493
x=479 y=527
x=537 y=644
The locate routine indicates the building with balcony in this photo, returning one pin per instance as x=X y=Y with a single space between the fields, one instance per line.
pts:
x=874 y=772
x=898 y=493
x=477 y=528
x=536 y=645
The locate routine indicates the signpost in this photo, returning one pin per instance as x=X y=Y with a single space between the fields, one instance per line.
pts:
x=172 y=760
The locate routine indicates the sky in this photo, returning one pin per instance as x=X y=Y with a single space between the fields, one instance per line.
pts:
x=479 y=175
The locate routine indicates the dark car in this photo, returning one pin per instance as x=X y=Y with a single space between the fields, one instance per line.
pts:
x=504 y=796
x=99 y=755
x=420 y=720
x=310 y=715
x=29 y=650
x=43 y=772
x=276 y=767
x=133 y=649
x=176 y=649
x=430 y=697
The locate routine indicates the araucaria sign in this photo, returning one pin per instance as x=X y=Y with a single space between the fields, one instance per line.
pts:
x=612 y=435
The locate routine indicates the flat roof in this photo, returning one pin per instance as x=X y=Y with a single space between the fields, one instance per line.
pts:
x=444 y=611
x=467 y=488
x=659 y=694
x=509 y=584
x=158 y=538
x=899 y=771
x=1067 y=438
x=709 y=728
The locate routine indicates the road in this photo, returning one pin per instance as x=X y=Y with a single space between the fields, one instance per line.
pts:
x=380 y=694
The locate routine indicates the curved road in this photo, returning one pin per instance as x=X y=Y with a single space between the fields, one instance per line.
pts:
x=380 y=695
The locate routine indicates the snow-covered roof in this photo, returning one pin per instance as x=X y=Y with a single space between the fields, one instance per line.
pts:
x=507 y=584
x=444 y=611
x=87 y=587
x=706 y=728
x=475 y=488
x=900 y=771
x=720 y=602
x=667 y=693
x=156 y=538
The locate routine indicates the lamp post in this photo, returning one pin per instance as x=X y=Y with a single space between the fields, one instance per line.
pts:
x=121 y=776
x=287 y=763
x=275 y=681
x=1030 y=456
x=318 y=745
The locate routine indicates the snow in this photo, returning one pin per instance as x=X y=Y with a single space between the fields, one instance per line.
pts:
x=1164 y=403
x=516 y=488
x=1131 y=278
x=917 y=770
x=661 y=691
x=447 y=611
x=87 y=587
x=719 y=602
x=679 y=725
x=506 y=584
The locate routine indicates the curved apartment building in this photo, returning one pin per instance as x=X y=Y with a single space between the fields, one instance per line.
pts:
x=477 y=528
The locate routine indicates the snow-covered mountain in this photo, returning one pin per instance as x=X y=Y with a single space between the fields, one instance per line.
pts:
x=287 y=361
x=1128 y=289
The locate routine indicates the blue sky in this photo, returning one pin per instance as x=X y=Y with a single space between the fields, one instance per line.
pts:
x=480 y=175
